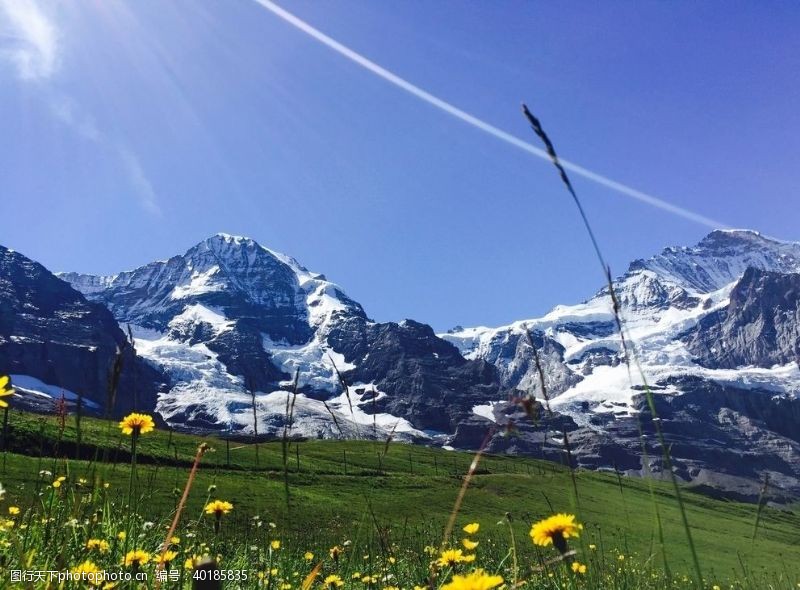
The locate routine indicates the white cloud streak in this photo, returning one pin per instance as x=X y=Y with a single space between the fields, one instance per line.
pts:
x=498 y=133
x=136 y=174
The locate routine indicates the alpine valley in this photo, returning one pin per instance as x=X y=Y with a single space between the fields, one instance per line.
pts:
x=216 y=337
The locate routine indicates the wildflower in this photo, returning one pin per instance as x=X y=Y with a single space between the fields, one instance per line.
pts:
x=308 y=556
x=218 y=508
x=578 y=568
x=477 y=580
x=333 y=581
x=175 y=540
x=335 y=552
x=275 y=545
x=555 y=530
x=191 y=562
x=621 y=557
x=88 y=571
x=392 y=560
x=97 y=545
x=469 y=544
x=469 y=558
x=122 y=535
x=167 y=557
x=592 y=546
x=5 y=390
x=450 y=557
x=472 y=528
x=136 y=558
x=13 y=510
x=135 y=424
x=57 y=483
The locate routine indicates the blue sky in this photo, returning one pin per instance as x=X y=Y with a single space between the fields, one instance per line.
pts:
x=132 y=130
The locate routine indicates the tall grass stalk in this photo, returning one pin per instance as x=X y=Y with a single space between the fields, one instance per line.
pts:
x=606 y=269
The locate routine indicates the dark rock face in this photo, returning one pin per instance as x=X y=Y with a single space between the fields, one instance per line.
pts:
x=760 y=326
x=429 y=383
x=49 y=331
x=242 y=352
x=723 y=440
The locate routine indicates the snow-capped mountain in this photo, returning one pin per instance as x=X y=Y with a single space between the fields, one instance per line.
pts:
x=715 y=329
x=230 y=318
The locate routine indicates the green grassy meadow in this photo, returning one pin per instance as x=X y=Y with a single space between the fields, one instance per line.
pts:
x=370 y=497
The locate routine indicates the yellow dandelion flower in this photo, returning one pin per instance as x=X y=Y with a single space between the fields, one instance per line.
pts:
x=578 y=568
x=275 y=545
x=477 y=580
x=392 y=560
x=13 y=510
x=472 y=528
x=333 y=581
x=469 y=544
x=469 y=558
x=592 y=546
x=88 y=571
x=167 y=557
x=122 y=535
x=218 y=508
x=175 y=540
x=136 y=424
x=97 y=545
x=555 y=530
x=191 y=562
x=136 y=558
x=308 y=556
x=5 y=390
x=621 y=557
x=58 y=481
x=450 y=557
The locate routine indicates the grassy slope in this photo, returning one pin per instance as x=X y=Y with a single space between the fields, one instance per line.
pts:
x=408 y=488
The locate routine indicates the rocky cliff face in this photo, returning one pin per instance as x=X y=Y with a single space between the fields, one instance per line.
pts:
x=760 y=325
x=51 y=335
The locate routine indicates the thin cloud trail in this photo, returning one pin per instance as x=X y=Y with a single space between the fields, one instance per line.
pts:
x=483 y=125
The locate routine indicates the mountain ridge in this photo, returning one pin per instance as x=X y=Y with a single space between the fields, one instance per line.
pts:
x=230 y=321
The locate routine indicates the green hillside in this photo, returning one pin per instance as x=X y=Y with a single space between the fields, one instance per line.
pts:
x=339 y=488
